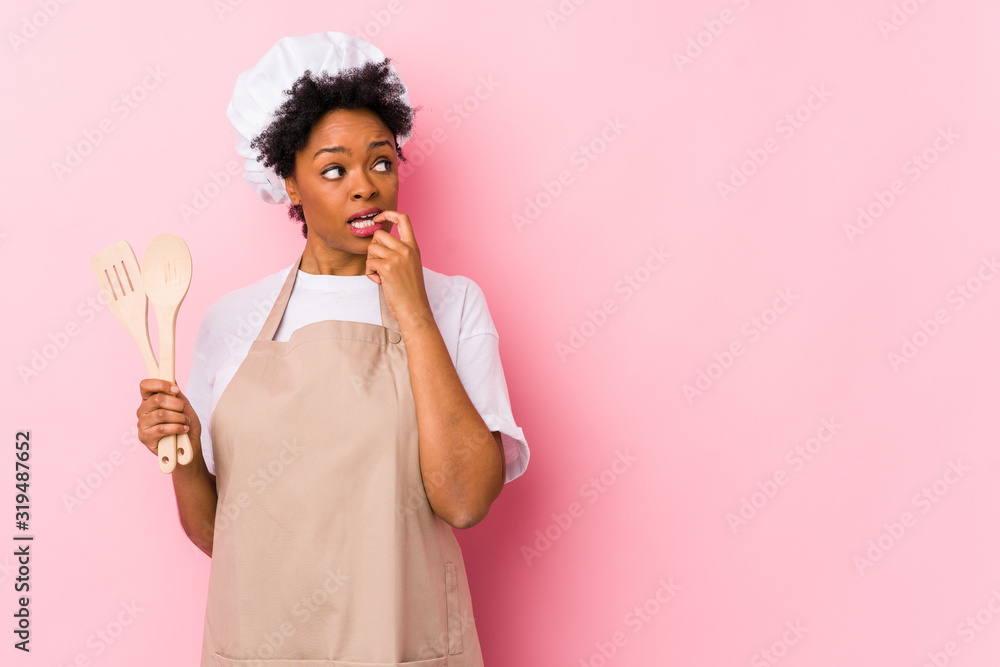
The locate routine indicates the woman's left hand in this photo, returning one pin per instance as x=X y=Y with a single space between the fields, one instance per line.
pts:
x=395 y=264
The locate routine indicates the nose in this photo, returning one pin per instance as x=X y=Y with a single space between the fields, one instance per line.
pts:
x=362 y=186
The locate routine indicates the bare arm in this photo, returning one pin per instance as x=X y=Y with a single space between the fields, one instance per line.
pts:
x=161 y=413
x=461 y=460
x=197 y=499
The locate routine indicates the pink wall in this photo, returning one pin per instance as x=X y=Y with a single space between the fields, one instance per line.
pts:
x=828 y=492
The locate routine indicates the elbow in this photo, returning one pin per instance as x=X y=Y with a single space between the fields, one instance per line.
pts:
x=468 y=518
x=463 y=523
x=203 y=545
x=202 y=537
x=468 y=514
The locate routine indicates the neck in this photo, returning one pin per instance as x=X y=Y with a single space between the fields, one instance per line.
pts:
x=320 y=260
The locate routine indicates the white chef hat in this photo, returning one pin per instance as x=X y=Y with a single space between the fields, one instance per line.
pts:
x=261 y=90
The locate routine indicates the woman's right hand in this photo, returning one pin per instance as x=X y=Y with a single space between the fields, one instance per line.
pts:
x=163 y=412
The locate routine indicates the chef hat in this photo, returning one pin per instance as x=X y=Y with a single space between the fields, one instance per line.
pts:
x=261 y=90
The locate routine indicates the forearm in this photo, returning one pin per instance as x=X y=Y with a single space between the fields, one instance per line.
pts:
x=461 y=464
x=197 y=499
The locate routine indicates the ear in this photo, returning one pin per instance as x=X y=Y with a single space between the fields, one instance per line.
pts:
x=291 y=188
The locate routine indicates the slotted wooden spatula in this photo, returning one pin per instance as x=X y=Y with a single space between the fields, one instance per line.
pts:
x=117 y=272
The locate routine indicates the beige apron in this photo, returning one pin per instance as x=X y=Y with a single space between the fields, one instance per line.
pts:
x=327 y=552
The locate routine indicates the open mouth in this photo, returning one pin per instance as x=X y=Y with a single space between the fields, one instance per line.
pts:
x=363 y=222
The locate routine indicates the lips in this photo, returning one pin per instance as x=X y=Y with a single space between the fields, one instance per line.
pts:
x=365 y=212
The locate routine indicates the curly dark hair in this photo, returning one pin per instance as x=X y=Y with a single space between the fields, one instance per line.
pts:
x=373 y=86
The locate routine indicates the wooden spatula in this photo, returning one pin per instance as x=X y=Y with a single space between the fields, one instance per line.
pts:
x=166 y=276
x=117 y=272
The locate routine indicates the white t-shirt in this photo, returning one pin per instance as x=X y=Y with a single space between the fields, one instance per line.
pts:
x=233 y=322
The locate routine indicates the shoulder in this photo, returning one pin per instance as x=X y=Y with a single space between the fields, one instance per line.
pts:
x=245 y=307
x=458 y=298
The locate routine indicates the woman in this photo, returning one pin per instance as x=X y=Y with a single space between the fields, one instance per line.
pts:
x=359 y=422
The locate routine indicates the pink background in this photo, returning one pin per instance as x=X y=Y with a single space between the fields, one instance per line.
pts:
x=634 y=494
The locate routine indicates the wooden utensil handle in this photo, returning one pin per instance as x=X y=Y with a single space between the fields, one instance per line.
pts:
x=185 y=452
x=167 y=446
x=178 y=445
x=167 y=453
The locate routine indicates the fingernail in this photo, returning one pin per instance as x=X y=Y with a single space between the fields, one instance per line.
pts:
x=186 y=428
x=174 y=389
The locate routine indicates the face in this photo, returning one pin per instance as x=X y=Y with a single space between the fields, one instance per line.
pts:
x=348 y=165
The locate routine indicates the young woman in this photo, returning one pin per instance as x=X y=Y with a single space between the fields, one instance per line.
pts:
x=364 y=417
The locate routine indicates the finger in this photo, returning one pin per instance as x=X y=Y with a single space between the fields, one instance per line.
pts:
x=162 y=429
x=170 y=421
x=372 y=266
x=160 y=400
x=159 y=415
x=382 y=239
x=402 y=220
x=389 y=220
x=406 y=230
x=153 y=445
x=379 y=250
x=151 y=386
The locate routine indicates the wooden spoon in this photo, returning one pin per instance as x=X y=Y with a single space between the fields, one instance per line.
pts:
x=166 y=276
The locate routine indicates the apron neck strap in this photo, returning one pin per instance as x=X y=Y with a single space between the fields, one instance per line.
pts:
x=278 y=310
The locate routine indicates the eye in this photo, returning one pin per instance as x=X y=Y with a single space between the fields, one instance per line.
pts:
x=388 y=164
x=327 y=171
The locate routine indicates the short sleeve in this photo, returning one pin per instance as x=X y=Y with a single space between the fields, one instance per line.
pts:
x=481 y=372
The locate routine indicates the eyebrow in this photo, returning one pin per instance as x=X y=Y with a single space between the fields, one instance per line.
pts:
x=340 y=149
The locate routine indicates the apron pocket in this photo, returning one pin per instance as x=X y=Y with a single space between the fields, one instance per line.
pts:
x=256 y=662
x=454 y=609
